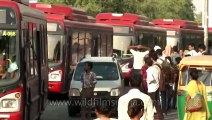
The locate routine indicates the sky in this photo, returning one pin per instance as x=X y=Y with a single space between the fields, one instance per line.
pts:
x=199 y=8
x=198 y=5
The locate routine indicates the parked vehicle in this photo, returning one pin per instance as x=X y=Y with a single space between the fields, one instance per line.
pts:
x=110 y=83
x=72 y=35
x=204 y=65
x=23 y=53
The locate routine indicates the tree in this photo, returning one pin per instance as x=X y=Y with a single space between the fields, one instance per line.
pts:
x=198 y=18
x=175 y=9
x=154 y=9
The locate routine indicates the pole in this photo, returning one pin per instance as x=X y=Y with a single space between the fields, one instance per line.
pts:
x=206 y=24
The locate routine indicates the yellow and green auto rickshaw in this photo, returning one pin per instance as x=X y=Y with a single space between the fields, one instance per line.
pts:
x=204 y=65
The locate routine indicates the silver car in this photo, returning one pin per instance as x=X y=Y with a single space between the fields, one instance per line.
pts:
x=110 y=83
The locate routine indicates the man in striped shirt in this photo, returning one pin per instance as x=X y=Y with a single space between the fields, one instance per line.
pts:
x=88 y=79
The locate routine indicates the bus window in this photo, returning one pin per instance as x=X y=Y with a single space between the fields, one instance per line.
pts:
x=104 y=45
x=146 y=40
x=74 y=49
x=99 y=39
x=81 y=49
x=88 y=44
x=109 y=45
x=55 y=47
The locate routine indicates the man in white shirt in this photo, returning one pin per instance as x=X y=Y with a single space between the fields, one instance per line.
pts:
x=161 y=57
x=153 y=77
x=174 y=55
x=138 y=61
x=192 y=50
x=138 y=55
x=134 y=92
x=202 y=49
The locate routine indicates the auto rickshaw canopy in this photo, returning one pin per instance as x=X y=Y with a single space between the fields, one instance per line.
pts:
x=204 y=60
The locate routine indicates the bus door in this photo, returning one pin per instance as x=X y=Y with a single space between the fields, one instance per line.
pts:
x=42 y=49
x=94 y=45
x=32 y=105
x=205 y=75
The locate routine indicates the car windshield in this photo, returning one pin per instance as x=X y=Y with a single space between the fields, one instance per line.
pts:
x=103 y=70
x=55 y=47
x=8 y=59
x=205 y=75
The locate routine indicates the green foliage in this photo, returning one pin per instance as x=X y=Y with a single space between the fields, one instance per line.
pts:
x=175 y=9
x=198 y=18
x=154 y=9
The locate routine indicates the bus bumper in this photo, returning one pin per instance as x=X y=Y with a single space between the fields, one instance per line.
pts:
x=11 y=116
x=55 y=87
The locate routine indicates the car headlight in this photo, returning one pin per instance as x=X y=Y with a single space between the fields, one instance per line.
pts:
x=115 y=92
x=74 y=92
x=9 y=103
x=55 y=75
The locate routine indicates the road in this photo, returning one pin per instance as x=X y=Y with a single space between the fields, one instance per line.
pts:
x=61 y=113
x=57 y=110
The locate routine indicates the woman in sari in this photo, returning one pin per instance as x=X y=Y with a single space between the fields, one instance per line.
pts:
x=194 y=87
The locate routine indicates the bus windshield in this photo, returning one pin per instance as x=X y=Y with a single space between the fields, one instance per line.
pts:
x=8 y=60
x=121 y=44
x=122 y=38
x=55 y=48
x=205 y=75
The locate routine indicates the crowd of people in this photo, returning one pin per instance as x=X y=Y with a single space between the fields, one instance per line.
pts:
x=153 y=83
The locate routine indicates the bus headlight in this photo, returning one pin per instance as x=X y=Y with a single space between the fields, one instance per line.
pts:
x=55 y=75
x=115 y=92
x=9 y=103
x=74 y=92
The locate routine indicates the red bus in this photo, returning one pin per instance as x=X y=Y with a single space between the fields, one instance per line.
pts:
x=132 y=29
x=182 y=32
x=72 y=35
x=24 y=66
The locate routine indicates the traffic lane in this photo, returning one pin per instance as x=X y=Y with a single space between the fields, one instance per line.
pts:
x=60 y=112
x=57 y=110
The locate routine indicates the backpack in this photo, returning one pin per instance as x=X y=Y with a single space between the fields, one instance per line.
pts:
x=167 y=74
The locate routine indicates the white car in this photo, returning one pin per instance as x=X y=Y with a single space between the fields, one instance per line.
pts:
x=110 y=83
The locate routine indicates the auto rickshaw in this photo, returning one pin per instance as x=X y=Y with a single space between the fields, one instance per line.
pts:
x=204 y=65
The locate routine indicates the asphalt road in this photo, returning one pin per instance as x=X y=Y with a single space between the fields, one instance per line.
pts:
x=57 y=110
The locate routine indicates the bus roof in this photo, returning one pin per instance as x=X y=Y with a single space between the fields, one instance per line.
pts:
x=70 y=13
x=204 y=60
x=111 y=18
x=176 y=24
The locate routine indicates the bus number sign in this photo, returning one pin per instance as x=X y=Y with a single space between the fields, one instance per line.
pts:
x=7 y=33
